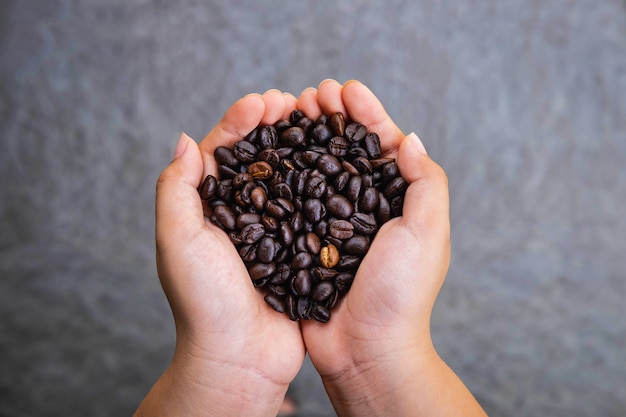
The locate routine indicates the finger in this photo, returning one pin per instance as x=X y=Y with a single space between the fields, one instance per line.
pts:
x=291 y=103
x=274 y=106
x=239 y=120
x=426 y=210
x=178 y=205
x=363 y=107
x=329 y=97
x=307 y=103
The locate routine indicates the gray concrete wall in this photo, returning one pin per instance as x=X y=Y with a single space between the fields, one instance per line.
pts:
x=522 y=102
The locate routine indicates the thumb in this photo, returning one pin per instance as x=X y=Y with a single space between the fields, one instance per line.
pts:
x=178 y=206
x=426 y=209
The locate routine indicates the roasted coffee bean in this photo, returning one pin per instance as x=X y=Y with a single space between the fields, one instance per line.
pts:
x=383 y=212
x=226 y=172
x=343 y=282
x=353 y=189
x=315 y=187
x=248 y=252
x=356 y=245
x=225 y=156
x=295 y=115
x=321 y=134
x=301 y=284
x=320 y=313
x=324 y=274
x=208 y=188
x=314 y=210
x=305 y=124
x=363 y=165
x=341 y=229
x=395 y=187
x=291 y=303
x=270 y=156
x=225 y=216
x=245 y=219
x=282 y=190
x=338 y=124
x=252 y=136
x=355 y=132
x=369 y=200
x=258 y=196
x=268 y=137
x=329 y=165
x=266 y=250
x=379 y=162
x=329 y=256
x=283 y=273
x=286 y=233
x=339 y=206
x=301 y=260
x=260 y=170
x=396 y=204
x=304 y=308
x=338 y=146
x=270 y=223
x=364 y=223
x=276 y=302
x=296 y=221
x=372 y=145
x=341 y=180
x=252 y=233
x=322 y=291
x=390 y=171
x=245 y=151
x=313 y=243
x=261 y=270
x=240 y=179
x=292 y=137
x=348 y=262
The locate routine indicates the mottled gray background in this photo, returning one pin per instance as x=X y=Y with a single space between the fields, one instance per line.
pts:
x=522 y=102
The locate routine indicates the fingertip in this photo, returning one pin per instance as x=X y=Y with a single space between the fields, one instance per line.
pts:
x=274 y=106
x=307 y=102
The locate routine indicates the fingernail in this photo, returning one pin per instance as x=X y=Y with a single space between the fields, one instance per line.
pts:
x=181 y=147
x=417 y=143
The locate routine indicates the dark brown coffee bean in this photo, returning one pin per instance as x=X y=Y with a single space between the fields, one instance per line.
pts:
x=329 y=165
x=396 y=204
x=270 y=223
x=296 y=221
x=363 y=165
x=314 y=210
x=313 y=243
x=395 y=187
x=304 y=308
x=301 y=260
x=282 y=274
x=380 y=162
x=260 y=170
x=321 y=228
x=225 y=216
x=338 y=146
x=341 y=180
x=341 y=229
x=348 y=262
x=261 y=270
x=301 y=284
x=383 y=212
x=291 y=303
x=338 y=124
x=363 y=223
x=240 y=179
x=332 y=300
x=322 y=291
x=292 y=137
x=276 y=302
x=245 y=151
x=356 y=245
x=225 y=156
x=329 y=256
x=245 y=219
x=252 y=233
x=248 y=252
x=315 y=187
x=355 y=132
x=320 y=313
x=286 y=233
x=343 y=282
x=267 y=137
x=372 y=145
x=208 y=188
x=321 y=134
x=390 y=171
x=295 y=115
x=266 y=250
x=226 y=172
x=324 y=274
x=281 y=190
x=270 y=156
x=369 y=200
x=353 y=189
x=306 y=124
x=258 y=196
x=339 y=206
x=356 y=151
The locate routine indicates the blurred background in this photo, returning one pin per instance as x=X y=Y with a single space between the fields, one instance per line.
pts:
x=522 y=102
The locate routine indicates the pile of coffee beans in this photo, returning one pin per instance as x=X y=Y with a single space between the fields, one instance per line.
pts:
x=302 y=200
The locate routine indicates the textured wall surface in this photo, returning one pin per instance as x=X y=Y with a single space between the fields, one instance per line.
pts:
x=522 y=102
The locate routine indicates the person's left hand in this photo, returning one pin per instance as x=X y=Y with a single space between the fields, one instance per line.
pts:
x=234 y=355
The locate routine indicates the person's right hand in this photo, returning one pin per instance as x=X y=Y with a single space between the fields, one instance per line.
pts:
x=375 y=355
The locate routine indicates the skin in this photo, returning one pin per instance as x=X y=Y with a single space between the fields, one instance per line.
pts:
x=236 y=356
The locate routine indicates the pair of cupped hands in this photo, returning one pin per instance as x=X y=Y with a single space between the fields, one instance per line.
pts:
x=234 y=354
